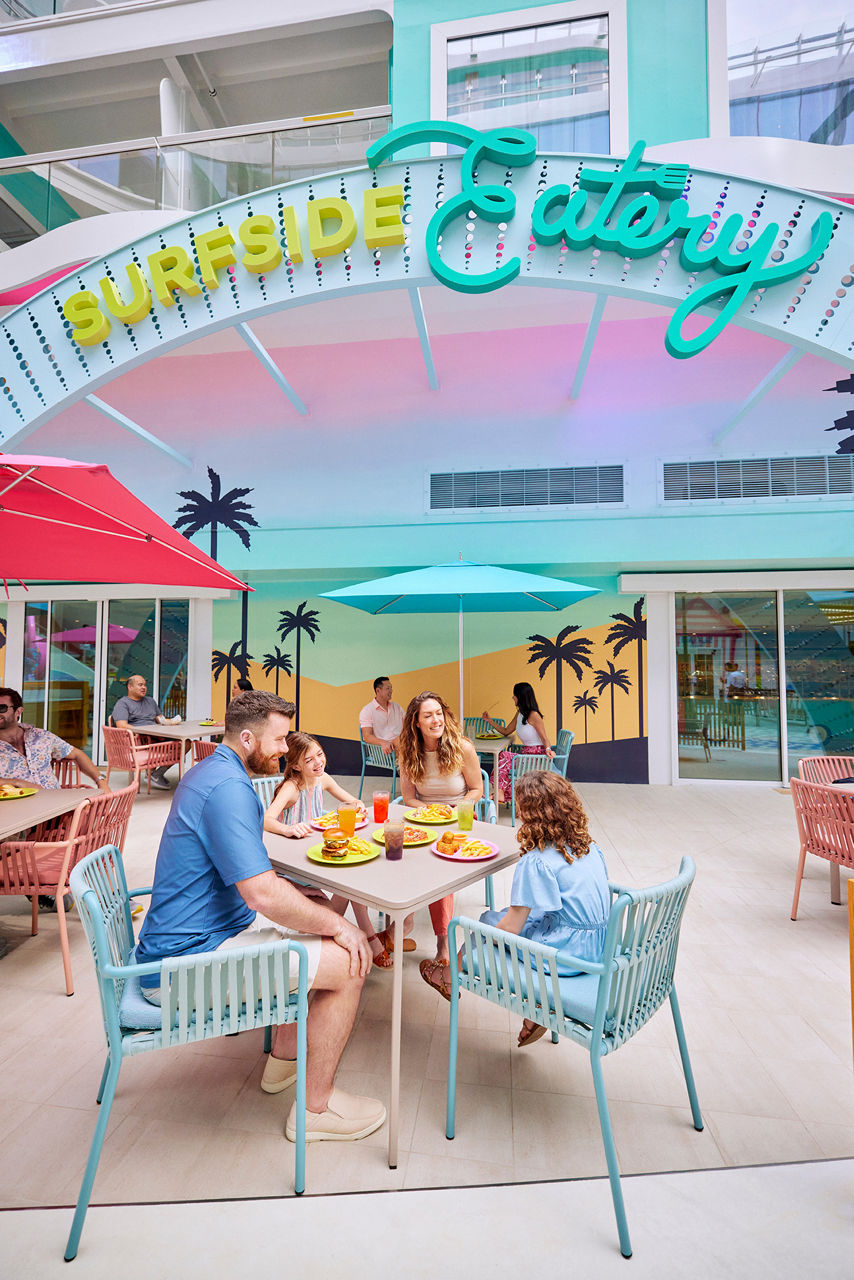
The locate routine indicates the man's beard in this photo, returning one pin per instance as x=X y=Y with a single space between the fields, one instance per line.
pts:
x=258 y=762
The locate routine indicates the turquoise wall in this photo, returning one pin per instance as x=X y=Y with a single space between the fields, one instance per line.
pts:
x=668 y=82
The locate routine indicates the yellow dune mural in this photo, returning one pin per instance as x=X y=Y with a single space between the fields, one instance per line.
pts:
x=333 y=711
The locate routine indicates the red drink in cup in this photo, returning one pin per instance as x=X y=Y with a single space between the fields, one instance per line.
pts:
x=393 y=832
x=381 y=799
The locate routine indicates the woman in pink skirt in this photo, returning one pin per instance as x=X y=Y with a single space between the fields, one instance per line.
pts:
x=529 y=726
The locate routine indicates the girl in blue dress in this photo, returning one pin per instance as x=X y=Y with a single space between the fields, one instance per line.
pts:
x=560 y=895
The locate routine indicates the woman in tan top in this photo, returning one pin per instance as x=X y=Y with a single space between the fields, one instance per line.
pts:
x=437 y=765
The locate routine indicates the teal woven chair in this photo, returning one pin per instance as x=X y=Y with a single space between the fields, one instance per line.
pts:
x=375 y=756
x=563 y=746
x=265 y=788
x=474 y=725
x=522 y=765
x=600 y=1009
x=207 y=995
x=484 y=811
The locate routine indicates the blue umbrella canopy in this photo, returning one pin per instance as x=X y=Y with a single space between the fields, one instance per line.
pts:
x=462 y=585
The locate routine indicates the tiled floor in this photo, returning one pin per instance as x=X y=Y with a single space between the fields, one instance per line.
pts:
x=765 y=1004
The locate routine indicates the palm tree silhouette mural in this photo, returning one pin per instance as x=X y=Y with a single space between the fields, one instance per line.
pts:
x=219 y=510
x=586 y=702
x=612 y=679
x=575 y=653
x=226 y=511
x=303 y=622
x=278 y=662
x=631 y=630
x=236 y=660
x=846 y=422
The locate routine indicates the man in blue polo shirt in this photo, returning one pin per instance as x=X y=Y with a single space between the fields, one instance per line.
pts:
x=214 y=887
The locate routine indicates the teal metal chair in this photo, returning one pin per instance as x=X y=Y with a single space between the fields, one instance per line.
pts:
x=484 y=811
x=212 y=994
x=600 y=1009
x=472 y=726
x=563 y=746
x=375 y=756
x=526 y=764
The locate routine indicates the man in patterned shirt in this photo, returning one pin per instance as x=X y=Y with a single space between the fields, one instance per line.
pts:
x=27 y=753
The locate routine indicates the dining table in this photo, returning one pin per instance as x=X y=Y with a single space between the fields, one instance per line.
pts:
x=396 y=888
x=493 y=745
x=19 y=814
x=186 y=730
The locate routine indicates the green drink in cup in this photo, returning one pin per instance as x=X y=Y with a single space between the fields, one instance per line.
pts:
x=465 y=815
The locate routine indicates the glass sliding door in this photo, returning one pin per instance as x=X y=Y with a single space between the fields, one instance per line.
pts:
x=174 y=647
x=71 y=674
x=728 y=686
x=819 y=631
x=36 y=621
x=130 y=647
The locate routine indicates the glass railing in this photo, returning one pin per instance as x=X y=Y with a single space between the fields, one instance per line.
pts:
x=186 y=173
x=21 y=10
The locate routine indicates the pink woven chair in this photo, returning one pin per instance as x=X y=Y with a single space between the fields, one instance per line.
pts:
x=42 y=865
x=825 y=817
x=68 y=772
x=126 y=752
x=825 y=768
x=202 y=748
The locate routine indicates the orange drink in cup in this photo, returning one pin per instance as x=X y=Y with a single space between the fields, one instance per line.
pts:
x=381 y=799
x=347 y=818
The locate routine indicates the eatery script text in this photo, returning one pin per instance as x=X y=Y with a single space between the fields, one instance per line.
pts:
x=656 y=216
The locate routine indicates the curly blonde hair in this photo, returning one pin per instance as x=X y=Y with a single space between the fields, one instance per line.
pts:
x=411 y=741
x=551 y=813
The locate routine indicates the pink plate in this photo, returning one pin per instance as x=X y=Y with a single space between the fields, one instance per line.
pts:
x=323 y=826
x=458 y=857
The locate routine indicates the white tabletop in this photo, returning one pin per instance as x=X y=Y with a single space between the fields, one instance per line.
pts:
x=184 y=729
x=20 y=815
x=418 y=878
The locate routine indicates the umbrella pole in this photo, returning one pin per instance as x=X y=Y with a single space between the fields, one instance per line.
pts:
x=462 y=712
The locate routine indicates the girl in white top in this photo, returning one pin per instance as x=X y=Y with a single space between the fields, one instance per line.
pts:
x=529 y=726
x=299 y=800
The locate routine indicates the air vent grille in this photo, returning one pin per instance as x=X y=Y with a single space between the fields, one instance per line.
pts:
x=541 y=487
x=749 y=478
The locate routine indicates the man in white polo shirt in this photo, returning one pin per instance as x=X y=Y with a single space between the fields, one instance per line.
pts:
x=382 y=720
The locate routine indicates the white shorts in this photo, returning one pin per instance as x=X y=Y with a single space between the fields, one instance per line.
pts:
x=259 y=931
x=264 y=930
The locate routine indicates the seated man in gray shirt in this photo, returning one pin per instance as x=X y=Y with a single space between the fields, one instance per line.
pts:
x=137 y=708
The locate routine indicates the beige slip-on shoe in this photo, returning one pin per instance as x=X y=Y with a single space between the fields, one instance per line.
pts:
x=346 y=1118
x=278 y=1074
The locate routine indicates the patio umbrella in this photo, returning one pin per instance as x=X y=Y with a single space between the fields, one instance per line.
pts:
x=73 y=522
x=462 y=586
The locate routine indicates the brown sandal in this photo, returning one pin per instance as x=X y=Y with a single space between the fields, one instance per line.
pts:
x=386 y=937
x=383 y=960
x=529 y=1034
x=429 y=970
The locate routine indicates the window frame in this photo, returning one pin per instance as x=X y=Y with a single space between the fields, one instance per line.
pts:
x=618 y=72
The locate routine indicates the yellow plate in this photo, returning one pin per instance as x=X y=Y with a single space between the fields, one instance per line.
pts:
x=19 y=795
x=379 y=836
x=410 y=816
x=490 y=737
x=315 y=853
x=207 y=722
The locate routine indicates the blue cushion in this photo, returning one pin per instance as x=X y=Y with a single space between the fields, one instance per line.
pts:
x=578 y=994
x=135 y=1012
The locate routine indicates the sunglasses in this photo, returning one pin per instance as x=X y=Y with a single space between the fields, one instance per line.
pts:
x=4 y=707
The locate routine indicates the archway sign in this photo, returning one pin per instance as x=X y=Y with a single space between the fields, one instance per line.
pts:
x=711 y=247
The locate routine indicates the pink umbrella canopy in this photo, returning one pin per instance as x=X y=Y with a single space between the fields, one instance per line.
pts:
x=73 y=522
x=86 y=635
